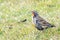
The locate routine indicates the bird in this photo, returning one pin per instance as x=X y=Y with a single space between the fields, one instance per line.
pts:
x=39 y=21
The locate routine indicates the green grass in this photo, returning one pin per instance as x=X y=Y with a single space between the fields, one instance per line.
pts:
x=13 y=11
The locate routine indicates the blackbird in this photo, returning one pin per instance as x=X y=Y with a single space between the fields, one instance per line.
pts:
x=39 y=21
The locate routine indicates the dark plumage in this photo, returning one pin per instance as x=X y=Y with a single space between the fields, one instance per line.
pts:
x=39 y=21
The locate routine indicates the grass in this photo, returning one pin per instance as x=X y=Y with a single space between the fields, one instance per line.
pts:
x=13 y=11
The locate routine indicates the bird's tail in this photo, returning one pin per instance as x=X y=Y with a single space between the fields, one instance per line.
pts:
x=50 y=25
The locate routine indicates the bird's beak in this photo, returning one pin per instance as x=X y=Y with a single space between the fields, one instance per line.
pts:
x=32 y=13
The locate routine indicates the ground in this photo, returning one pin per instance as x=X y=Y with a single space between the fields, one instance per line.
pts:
x=13 y=11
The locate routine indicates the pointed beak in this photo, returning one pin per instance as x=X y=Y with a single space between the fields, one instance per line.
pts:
x=32 y=13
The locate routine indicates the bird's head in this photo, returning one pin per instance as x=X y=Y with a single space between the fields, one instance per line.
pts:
x=35 y=13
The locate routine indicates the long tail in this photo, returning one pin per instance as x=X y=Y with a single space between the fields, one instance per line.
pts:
x=50 y=25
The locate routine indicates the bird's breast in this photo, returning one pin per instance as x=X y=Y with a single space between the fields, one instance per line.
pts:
x=34 y=20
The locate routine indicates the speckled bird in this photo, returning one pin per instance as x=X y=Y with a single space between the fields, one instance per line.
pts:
x=39 y=21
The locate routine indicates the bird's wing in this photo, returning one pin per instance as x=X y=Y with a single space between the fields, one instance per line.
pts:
x=38 y=25
x=43 y=22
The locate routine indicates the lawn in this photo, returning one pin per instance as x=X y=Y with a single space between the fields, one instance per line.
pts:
x=14 y=11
